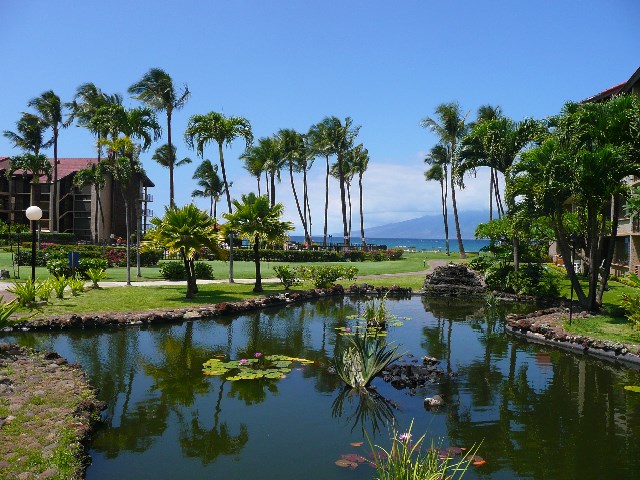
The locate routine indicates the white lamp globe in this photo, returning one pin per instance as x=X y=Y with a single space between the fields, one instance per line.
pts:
x=34 y=213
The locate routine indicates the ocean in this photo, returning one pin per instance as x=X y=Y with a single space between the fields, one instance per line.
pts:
x=418 y=244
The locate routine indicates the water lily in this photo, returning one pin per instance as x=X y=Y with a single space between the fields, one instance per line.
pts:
x=257 y=354
x=347 y=330
x=243 y=361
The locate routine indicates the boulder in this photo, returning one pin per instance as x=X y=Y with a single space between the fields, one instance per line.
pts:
x=454 y=280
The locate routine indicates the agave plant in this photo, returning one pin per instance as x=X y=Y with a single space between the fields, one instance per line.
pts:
x=6 y=310
x=96 y=275
x=363 y=358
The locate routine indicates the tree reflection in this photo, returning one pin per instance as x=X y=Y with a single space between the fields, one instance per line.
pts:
x=363 y=410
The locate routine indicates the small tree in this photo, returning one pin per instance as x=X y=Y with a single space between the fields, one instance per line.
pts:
x=256 y=220
x=184 y=231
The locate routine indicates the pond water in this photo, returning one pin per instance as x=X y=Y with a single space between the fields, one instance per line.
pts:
x=540 y=413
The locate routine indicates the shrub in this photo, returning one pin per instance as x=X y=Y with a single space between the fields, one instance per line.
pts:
x=25 y=292
x=59 y=268
x=59 y=284
x=6 y=310
x=77 y=286
x=287 y=276
x=44 y=290
x=87 y=264
x=173 y=271
x=202 y=270
x=96 y=275
x=631 y=305
x=326 y=275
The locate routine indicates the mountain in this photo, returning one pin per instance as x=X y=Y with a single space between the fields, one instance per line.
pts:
x=430 y=226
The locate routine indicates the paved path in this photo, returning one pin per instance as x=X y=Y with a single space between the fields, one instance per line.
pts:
x=152 y=283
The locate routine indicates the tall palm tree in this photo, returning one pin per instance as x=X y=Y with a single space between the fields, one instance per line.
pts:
x=449 y=125
x=156 y=90
x=29 y=137
x=50 y=109
x=255 y=163
x=321 y=146
x=164 y=158
x=210 y=184
x=214 y=126
x=257 y=221
x=359 y=163
x=295 y=152
x=340 y=137
x=93 y=175
x=438 y=159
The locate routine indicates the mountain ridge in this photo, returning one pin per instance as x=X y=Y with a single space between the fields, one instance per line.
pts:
x=430 y=226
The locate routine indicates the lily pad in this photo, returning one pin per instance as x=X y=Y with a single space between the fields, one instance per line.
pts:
x=346 y=464
x=633 y=388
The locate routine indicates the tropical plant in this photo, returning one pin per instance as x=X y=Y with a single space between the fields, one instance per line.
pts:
x=25 y=292
x=6 y=310
x=44 y=290
x=320 y=145
x=449 y=126
x=364 y=357
x=93 y=175
x=216 y=127
x=326 y=276
x=184 y=231
x=51 y=110
x=164 y=159
x=438 y=160
x=59 y=285
x=257 y=221
x=34 y=165
x=288 y=276
x=210 y=184
x=76 y=285
x=359 y=162
x=96 y=275
x=203 y=270
x=157 y=91
x=173 y=271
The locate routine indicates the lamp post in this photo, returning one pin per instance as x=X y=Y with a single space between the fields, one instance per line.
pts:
x=34 y=213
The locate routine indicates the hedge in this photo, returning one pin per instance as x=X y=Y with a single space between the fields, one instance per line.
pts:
x=245 y=254
x=45 y=237
x=116 y=256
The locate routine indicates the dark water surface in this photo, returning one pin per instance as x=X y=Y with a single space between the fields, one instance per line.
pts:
x=540 y=413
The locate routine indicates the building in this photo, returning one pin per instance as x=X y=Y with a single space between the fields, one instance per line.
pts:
x=78 y=208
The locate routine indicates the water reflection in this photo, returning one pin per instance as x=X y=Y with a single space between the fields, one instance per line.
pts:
x=369 y=411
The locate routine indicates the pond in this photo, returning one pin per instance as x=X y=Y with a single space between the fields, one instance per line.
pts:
x=540 y=413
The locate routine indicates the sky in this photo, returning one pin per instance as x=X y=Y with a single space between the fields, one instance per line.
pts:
x=289 y=64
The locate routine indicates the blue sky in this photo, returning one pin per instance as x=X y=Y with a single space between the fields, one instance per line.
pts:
x=288 y=64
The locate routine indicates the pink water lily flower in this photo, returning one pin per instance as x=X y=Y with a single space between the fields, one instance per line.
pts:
x=347 y=330
x=243 y=361
x=257 y=354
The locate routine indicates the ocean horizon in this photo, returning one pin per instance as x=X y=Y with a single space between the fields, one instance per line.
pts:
x=418 y=244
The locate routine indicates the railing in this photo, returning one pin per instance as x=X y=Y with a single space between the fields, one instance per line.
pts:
x=146 y=198
x=147 y=212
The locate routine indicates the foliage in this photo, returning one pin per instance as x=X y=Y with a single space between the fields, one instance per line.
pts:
x=287 y=275
x=374 y=321
x=173 y=271
x=531 y=279
x=631 y=304
x=203 y=270
x=44 y=290
x=6 y=310
x=409 y=460
x=76 y=285
x=326 y=276
x=86 y=264
x=362 y=359
x=259 y=367
x=96 y=275
x=26 y=292
x=59 y=284
x=59 y=268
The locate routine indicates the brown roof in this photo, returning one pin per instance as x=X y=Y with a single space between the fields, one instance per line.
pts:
x=624 y=87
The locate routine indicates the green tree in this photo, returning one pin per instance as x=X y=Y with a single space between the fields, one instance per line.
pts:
x=156 y=90
x=359 y=162
x=93 y=175
x=183 y=231
x=34 y=165
x=257 y=221
x=223 y=130
x=162 y=157
x=320 y=145
x=51 y=110
x=438 y=160
x=449 y=125
x=210 y=184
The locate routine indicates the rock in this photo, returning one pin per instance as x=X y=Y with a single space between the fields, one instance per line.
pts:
x=454 y=280
x=49 y=473
x=433 y=402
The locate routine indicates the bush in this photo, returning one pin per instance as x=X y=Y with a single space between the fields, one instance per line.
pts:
x=59 y=268
x=96 y=275
x=6 y=310
x=25 y=292
x=202 y=270
x=326 y=276
x=287 y=275
x=173 y=271
x=631 y=305
x=77 y=286
x=247 y=255
x=59 y=284
x=44 y=291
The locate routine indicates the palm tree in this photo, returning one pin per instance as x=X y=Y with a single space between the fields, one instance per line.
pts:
x=184 y=231
x=257 y=221
x=29 y=137
x=156 y=90
x=320 y=145
x=163 y=158
x=214 y=126
x=295 y=152
x=93 y=175
x=450 y=127
x=359 y=164
x=438 y=160
x=340 y=137
x=50 y=110
x=255 y=163
x=210 y=184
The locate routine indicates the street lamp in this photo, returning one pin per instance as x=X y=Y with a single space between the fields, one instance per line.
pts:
x=34 y=213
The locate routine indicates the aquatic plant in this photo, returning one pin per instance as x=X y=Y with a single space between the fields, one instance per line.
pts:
x=261 y=366
x=373 y=321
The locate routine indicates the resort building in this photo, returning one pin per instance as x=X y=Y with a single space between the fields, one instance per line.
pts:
x=77 y=208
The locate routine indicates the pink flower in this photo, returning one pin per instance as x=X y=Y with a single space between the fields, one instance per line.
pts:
x=347 y=330
x=257 y=354
x=243 y=361
x=404 y=437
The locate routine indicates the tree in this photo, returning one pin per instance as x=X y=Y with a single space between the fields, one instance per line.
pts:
x=438 y=159
x=320 y=145
x=339 y=140
x=164 y=158
x=257 y=221
x=359 y=162
x=583 y=160
x=156 y=90
x=93 y=175
x=449 y=126
x=210 y=184
x=184 y=231
x=34 y=165
x=214 y=126
x=50 y=111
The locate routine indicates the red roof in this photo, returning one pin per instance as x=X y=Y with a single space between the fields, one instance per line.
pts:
x=624 y=87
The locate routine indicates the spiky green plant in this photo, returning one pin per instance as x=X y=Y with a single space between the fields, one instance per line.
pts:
x=363 y=358
x=25 y=292
x=44 y=290
x=59 y=284
x=96 y=275
x=77 y=286
x=6 y=310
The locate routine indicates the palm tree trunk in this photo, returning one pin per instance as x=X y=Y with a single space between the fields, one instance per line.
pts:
x=258 y=178
x=273 y=187
x=445 y=210
x=172 y=203
x=349 y=201
x=295 y=196
x=326 y=203
x=364 y=242
x=608 y=257
x=54 y=224
x=127 y=223
x=226 y=190
x=343 y=201
x=190 y=274
x=256 y=253
x=211 y=207
x=305 y=204
x=455 y=217
x=444 y=213
x=491 y=195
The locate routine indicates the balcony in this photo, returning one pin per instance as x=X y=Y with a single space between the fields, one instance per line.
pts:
x=146 y=198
